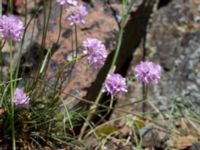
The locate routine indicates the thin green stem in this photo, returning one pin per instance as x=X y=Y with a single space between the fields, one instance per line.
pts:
x=47 y=21
x=111 y=101
x=26 y=12
x=1 y=67
x=145 y=97
x=144 y=87
x=119 y=43
x=122 y=24
x=11 y=5
x=1 y=61
x=44 y=25
x=12 y=100
x=60 y=23
x=76 y=40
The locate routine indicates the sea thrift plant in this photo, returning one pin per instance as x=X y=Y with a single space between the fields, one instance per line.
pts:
x=70 y=2
x=76 y=14
x=20 y=99
x=95 y=51
x=115 y=84
x=11 y=28
x=148 y=72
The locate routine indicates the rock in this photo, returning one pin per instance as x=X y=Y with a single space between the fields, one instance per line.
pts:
x=195 y=146
x=173 y=40
x=152 y=137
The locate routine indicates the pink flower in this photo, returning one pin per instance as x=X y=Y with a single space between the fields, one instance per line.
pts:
x=148 y=72
x=76 y=14
x=95 y=51
x=11 y=28
x=115 y=84
x=20 y=99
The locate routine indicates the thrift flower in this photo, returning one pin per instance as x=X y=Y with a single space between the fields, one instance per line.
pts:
x=11 y=28
x=95 y=51
x=76 y=14
x=20 y=99
x=70 y=2
x=115 y=84
x=148 y=72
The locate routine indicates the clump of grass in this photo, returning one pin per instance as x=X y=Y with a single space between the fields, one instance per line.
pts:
x=46 y=122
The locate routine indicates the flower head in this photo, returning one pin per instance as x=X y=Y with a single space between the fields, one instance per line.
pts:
x=148 y=72
x=20 y=99
x=95 y=51
x=115 y=84
x=70 y=2
x=11 y=28
x=76 y=14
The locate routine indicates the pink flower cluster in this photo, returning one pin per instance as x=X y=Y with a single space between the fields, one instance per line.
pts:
x=11 y=28
x=115 y=84
x=148 y=72
x=95 y=51
x=76 y=14
x=20 y=99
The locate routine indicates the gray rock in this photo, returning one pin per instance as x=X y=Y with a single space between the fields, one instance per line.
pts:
x=152 y=137
x=173 y=40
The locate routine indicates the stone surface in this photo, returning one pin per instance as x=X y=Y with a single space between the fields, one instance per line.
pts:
x=173 y=41
x=153 y=138
x=81 y=75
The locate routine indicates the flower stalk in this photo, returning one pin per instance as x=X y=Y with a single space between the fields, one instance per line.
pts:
x=12 y=99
